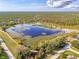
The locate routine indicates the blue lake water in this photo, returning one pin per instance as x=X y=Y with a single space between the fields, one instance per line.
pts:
x=30 y=30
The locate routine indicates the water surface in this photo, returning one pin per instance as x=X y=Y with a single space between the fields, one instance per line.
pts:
x=33 y=31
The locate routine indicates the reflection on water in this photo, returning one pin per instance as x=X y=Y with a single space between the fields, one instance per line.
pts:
x=30 y=30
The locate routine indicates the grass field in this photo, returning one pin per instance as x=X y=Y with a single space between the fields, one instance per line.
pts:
x=11 y=44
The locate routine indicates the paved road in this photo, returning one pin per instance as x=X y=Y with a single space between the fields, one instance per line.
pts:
x=10 y=55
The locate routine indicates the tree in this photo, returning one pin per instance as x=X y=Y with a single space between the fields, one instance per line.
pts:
x=58 y=43
x=1 y=50
x=43 y=52
x=24 y=53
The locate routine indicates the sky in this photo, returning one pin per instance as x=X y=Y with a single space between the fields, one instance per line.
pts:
x=39 y=5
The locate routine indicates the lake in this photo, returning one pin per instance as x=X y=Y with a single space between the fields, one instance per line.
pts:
x=31 y=30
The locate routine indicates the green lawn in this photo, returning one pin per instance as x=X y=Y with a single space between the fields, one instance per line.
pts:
x=66 y=53
x=4 y=56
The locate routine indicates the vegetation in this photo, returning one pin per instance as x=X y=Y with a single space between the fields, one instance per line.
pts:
x=65 y=54
x=3 y=55
x=50 y=48
x=39 y=48
x=73 y=34
x=51 y=20
x=75 y=48
x=75 y=44
x=11 y=44
x=44 y=47
x=32 y=45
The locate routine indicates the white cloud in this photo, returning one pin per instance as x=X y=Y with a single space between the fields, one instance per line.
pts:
x=72 y=6
x=62 y=4
x=52 y=3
